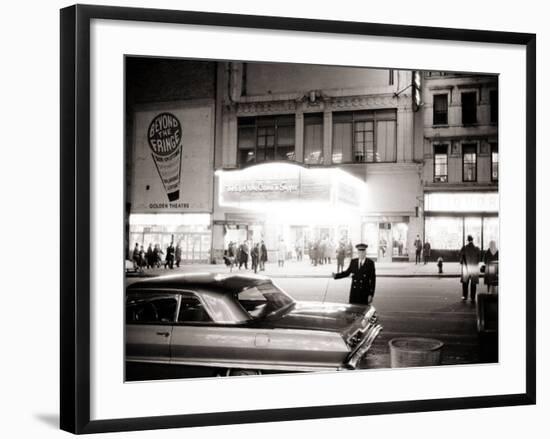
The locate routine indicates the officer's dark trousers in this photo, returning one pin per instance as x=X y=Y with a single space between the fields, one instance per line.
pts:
x=473 y=287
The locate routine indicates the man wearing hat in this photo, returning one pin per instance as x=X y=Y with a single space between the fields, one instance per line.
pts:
x=364 y=277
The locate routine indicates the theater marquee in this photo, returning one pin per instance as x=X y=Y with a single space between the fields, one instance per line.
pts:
x=277 y=183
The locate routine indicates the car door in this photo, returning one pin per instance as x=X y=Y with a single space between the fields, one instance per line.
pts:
x=199 y=340
x=150 y=317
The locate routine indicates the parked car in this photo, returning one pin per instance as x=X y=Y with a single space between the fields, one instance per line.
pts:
x=241 y=324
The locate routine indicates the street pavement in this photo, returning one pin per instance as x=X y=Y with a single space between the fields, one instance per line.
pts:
x=411 y=301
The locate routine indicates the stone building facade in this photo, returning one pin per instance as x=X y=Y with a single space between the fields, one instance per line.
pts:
x=331 y=127
x=460 y=155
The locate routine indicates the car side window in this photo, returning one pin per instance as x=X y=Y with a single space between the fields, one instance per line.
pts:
x=192 y=310
x=151 y=310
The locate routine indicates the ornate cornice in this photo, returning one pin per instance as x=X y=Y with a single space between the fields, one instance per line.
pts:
x=272 y=107
x=368 y=102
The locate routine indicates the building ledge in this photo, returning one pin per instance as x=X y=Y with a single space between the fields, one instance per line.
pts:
x=460 y=187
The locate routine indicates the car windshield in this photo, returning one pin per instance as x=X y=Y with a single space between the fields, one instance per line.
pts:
x=263 y=300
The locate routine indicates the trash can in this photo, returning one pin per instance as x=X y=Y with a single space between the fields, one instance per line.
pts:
x=415 y=352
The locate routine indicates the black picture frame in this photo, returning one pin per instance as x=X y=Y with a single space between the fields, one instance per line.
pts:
x=75 y=217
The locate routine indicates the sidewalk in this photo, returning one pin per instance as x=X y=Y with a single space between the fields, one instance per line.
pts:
x=304 y=268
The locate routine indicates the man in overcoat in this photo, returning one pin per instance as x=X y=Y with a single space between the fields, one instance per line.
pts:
x=470 y=257
x=363 y=277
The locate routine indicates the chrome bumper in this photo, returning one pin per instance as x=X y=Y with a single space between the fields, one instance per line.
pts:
x=372 y=330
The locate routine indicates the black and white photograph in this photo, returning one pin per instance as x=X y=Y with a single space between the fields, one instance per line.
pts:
x=286 y=218
x=274 y=219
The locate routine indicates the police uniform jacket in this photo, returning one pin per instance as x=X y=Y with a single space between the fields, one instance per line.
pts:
x=363 y=280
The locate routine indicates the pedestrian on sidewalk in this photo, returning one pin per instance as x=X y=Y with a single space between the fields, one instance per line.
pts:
x=470 y=257
x=363 y=277
x=150 y=257
x=255 y=256
x=135 y=257
x=418 y=249
x=314 y=252
x=299 y=250
x=142 y=262
x=281 y=253
x=243 y=255
x=263 y=256
x=426 y=252
x=340 y=256
x=178 y=255
x=170 y=255
x=157 y=255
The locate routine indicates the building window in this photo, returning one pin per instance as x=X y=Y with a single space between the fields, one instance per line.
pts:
x=391 y=76
x=444 y=233
x=469 y=108
x=440 y=109
x=493 y=99
x=494 y=161
x=262 y=139
x=313 y=139
x=364 y=136
x=469 y=162
x=440 y=164
x=451 y=232
x=435 y=74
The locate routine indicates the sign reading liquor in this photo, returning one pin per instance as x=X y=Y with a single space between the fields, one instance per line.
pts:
x=461 y=202
x=172 y=158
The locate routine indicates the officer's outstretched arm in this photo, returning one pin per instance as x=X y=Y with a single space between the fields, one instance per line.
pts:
x=342 y=274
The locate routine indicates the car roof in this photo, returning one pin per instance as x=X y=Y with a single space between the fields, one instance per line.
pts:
x=214 y=282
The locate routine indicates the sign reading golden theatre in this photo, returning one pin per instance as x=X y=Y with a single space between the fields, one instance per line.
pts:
x=172 y=158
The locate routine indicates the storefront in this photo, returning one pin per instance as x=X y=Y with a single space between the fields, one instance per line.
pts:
x=387 y=238
x=192 y=232
x=450 y=217
x=287 y=203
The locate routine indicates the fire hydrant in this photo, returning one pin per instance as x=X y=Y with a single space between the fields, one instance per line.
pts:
x=440 y=264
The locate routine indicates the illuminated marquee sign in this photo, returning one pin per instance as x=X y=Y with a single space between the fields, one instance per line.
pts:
x=262 y=187
x=282 y=182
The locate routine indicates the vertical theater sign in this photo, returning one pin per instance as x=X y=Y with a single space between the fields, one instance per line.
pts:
x=164 y=137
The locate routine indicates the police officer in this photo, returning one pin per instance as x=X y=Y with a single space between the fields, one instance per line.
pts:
x=364 y=277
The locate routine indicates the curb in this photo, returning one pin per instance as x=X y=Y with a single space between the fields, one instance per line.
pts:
x=319 y=276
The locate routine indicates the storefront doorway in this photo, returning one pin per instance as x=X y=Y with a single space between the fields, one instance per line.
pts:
x=235 y=234
x=385 y=242
x=386 y=238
